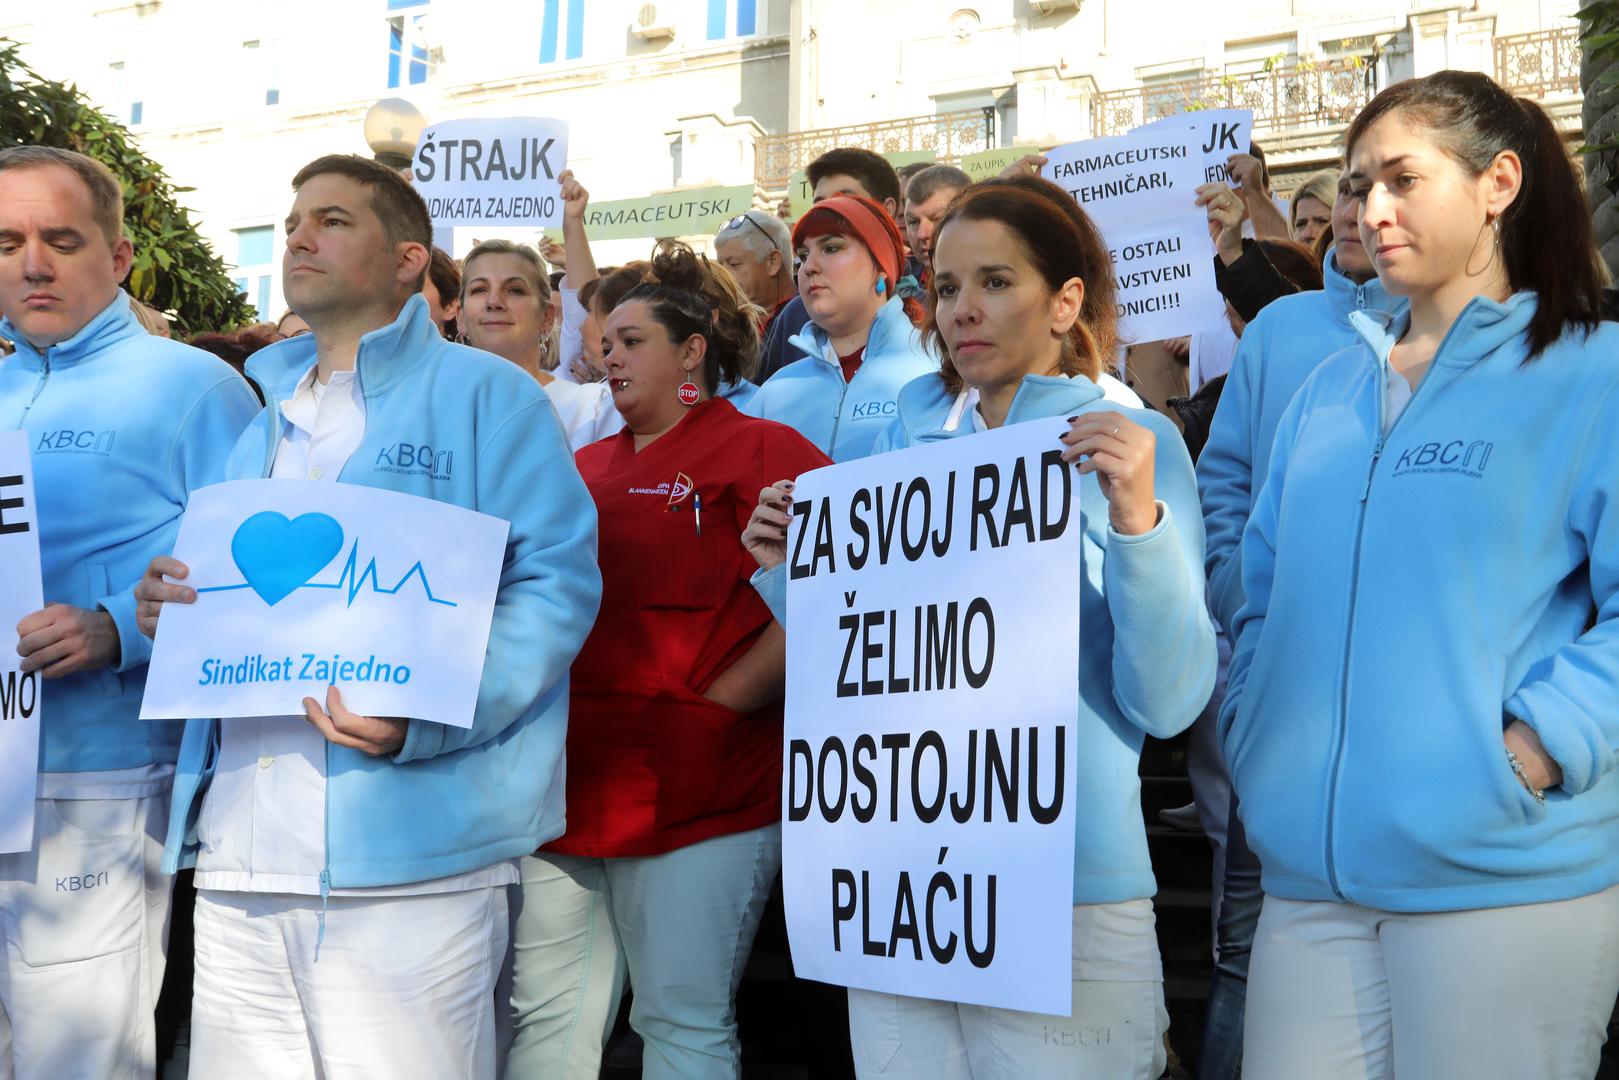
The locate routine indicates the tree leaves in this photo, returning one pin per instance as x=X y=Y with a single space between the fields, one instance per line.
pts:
x=175 y=269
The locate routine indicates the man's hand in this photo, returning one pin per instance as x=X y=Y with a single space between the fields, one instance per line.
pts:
x=61 y=639
x=374 y=735
x=152 y=592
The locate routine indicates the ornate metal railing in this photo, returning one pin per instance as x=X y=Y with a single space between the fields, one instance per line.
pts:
x=1541 y=64
x=948 y=135
x=1307 y=94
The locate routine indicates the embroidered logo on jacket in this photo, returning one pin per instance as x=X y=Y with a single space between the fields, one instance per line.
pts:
x=404 y=457
x=1456 y=456
x=867 y=409
x=71 y=441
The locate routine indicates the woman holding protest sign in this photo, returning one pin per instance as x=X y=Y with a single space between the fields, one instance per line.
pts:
x=1023 y=312
x=674 y=741
x=506 y=309
x=1434 y=800
x=860 y=345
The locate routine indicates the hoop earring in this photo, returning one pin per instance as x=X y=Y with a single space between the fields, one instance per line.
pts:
x=1494 y=224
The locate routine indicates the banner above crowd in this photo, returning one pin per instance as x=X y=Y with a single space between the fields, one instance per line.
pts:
x=492 y=172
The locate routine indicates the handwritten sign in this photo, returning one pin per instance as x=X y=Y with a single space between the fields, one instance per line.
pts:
x=303 y=585
x=928 y=810
x=1140 y=189
x=492 y=172
x=21 y=594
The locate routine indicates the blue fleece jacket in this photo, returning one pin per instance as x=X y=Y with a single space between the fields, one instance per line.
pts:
x=1279 y=349
x=451 y=423
x=122 y=425
x=1147 y=659
x=844 y=418
x=1408 y=595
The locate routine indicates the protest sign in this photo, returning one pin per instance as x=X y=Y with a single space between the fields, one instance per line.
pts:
x=492 y=172
x=1140 y=189
x=21 y=595
x=1220 y=133
x=302 y=585
x=699 y=211
x=987 y=163
x=928 y=810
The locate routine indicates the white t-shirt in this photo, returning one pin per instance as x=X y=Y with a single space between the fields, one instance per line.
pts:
x=263 y=822
x=1397 y=391
x=586 y=411
x=573 y=341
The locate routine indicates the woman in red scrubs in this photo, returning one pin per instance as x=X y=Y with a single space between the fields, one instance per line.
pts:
x=674 y=732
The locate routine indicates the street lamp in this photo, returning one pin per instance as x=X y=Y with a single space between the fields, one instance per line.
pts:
x=392 y=127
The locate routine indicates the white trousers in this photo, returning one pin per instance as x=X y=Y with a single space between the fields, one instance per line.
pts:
x=1116 y=1031
x=404 y=987
x=1340 y=992
x=85 y=918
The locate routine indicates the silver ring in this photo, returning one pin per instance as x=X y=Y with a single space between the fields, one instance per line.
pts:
x=1116 y=428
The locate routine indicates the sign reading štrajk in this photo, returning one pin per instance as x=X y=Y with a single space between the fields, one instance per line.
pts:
x=1141 y=191
x=492 y=172
x=21 y=595
x=303 y=585
x=928 y=809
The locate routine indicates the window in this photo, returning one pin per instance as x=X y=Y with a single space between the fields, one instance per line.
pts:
x=569 y=31
x=253 y=269
x=409 y=60
x=124 y=107
x=746 y=23
x=259 y=71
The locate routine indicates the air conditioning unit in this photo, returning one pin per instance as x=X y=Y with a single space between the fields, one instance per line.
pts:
x=650 y=25
x=1052 y=7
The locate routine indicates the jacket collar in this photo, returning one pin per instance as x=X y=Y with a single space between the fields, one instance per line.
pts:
x=890 y=332
x=115 y=322
x=1344 y=297
x=1482 y=327
x=1037 y=396
x=386 y=354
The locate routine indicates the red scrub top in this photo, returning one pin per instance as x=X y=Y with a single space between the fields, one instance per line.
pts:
x=652 y=764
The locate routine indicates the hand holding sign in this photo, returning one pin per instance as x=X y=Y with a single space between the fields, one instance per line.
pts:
x=574 y=197
x=61 y=639
x=1226 y=212
x=20 y=595
x=374 y=735
x=1120 y=452
x=765 y=538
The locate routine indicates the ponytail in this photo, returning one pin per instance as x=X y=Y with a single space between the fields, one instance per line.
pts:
x=1546 y=238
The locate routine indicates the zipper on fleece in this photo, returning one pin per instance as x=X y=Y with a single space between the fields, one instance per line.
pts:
x=1341 y=727
x=39 y=387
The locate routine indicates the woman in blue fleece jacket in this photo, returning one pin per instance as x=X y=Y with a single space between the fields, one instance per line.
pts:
x=1024 y=313
x=1422 y=721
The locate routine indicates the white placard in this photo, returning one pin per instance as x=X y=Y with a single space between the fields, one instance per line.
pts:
x=21 y=594
x=933 y=628
x=1220 y=133
x=492 y=172
x=1141 y=190
x=301 y=585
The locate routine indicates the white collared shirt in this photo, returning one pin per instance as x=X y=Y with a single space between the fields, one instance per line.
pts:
x=263 y=822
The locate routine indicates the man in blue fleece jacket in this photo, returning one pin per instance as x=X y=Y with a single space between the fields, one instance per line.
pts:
x=352 y=870
x=120 y=425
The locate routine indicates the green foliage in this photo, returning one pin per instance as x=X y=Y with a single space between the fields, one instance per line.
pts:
x=175 y=270
x=1599 y=36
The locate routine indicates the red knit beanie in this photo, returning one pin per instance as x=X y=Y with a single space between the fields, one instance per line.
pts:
x=867 y=221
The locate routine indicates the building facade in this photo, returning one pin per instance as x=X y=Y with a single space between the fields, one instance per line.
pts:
x=232 y=97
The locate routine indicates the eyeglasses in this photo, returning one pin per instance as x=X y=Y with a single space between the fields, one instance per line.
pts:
x=736 y=223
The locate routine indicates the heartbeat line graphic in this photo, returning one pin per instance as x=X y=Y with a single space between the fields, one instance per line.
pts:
x=355 y=583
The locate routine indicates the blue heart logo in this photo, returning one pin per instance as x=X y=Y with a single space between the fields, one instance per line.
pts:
x=278 y=556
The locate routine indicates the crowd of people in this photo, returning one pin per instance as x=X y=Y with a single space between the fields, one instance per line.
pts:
x=1366 y=549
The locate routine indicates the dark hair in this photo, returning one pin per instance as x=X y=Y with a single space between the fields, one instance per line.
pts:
x=403 y=214
x=930 y=181
x=446 y=278
x=1546 y=235
x=106 y=193
x=873 y=171
x=1295 y=262
x=688 y=296
x=905 y=172
x=1257 y=151
x=607 y=291
x=1062 y=242
x=234 y=348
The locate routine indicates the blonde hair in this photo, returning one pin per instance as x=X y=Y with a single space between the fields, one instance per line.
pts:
x=1321 y=186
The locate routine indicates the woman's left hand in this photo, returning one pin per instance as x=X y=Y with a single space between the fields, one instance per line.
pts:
x=1539 y=768
x=1120 y=452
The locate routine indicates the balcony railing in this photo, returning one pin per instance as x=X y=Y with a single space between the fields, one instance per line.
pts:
x=948 y=135
x=1308 y=94
x=1542 y=64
